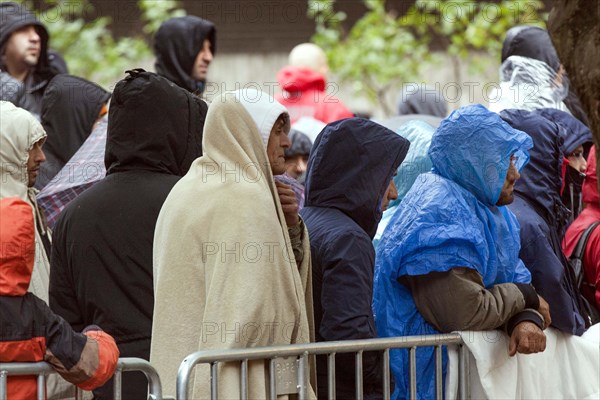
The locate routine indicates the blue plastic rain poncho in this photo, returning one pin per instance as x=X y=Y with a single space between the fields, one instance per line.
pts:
x=449 y=219
x=416 y=162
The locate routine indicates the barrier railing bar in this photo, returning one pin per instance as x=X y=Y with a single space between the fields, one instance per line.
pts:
x=214 y=381
x=463 y=365
x=303 y=350
x=346 y=346
x=386 y=374
x=303 y=377
x=412 y=355
x=41 y=369
x=244 y=377
x=3 y=384
x=359 y=374
x=117 y=384
x=41 y=386
x=331 y=376
x=438 y=373
x=272 y=380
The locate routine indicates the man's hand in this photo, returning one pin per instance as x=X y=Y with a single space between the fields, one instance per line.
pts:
x=545 y=311
x=289 y=204
x=527 y=338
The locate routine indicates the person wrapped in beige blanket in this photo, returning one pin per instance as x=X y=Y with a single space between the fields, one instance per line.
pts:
x=231 y=256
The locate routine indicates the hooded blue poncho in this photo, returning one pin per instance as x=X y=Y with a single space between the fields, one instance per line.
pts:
x=449 y=219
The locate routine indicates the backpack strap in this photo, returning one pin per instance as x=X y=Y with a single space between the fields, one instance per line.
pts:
x=582 y=243
x=576 y=259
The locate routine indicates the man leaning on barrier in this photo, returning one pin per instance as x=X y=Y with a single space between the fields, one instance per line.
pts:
x=449 y=258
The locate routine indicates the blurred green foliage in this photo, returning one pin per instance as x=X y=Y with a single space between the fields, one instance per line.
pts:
x=89 y=47
x=382 y=50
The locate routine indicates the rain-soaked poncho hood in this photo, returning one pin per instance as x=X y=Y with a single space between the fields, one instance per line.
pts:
x=153 y=125
x=528 y=84
x=470 y=153
x=541 y=179
x=448 y=219
x=350 y=167
x=176 y=46
x=416 y=162
x=532 y=42
x=461 y=151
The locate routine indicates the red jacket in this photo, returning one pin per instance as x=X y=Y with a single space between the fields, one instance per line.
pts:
x=29 y=330
x=305 y=95
x=588 y=216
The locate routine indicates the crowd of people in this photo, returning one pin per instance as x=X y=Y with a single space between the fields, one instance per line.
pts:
x=257 y=220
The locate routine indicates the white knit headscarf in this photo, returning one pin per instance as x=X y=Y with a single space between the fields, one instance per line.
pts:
x=263 y=109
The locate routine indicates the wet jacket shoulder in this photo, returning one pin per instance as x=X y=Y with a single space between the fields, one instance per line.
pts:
x=542 y=216
x=30 y=330
x=176 y=46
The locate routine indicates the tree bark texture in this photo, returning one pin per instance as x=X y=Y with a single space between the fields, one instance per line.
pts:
x=574 y=26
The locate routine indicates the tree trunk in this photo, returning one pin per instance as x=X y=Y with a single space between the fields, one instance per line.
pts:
x=574 y=26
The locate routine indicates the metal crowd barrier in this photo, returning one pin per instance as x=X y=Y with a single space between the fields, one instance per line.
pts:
x=41 y=369
x=277 y=356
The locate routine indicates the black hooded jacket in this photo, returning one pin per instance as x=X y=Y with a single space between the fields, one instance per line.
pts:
x=534 y=42
x=176 y=46
x=102 y=251
x=70 y=107
x=349 y=170
x=28 y=96
x=543 y=218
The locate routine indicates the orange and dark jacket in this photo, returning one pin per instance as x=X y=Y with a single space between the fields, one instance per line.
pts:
x=29 y=330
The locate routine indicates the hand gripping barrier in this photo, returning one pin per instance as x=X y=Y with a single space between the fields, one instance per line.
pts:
x=300 y=353
x=41 y=369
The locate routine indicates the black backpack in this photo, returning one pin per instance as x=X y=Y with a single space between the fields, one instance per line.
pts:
x=591 y=313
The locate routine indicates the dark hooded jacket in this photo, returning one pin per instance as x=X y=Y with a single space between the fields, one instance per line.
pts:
x=543 y=218
x=28 y=95
x=349 y=170
x=70 y=107
x=176 y=46
x=575 y=134
x=534 y=42
x=102 y=251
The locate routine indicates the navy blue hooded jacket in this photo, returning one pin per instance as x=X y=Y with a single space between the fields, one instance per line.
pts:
x=575 y=134
x=349 y=170
x=543 y=218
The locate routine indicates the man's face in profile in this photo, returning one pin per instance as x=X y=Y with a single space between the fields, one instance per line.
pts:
x=506 y=195
x=203 y=60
